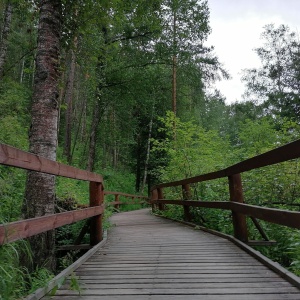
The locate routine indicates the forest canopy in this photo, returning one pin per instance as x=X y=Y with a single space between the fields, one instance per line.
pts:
x=125 y=90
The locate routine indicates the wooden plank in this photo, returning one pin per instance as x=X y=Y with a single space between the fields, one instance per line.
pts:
x=160 y=259
x=14 y=157
x=59 y=279
x=96 y=200
x=207 y=204
x=215 y=280
x=125 y=195
x=261 y=243
x=183 y=292
x=276 y=216
x=74 y=247
x=236 y=195
x=14 y=231
x=186 y=297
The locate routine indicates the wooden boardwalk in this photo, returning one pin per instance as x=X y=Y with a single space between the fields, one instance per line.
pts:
x=150 y=258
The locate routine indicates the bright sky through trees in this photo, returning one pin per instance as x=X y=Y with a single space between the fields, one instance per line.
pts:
x=236 y=29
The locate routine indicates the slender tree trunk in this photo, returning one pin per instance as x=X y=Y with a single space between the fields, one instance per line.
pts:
x=4 y=36
x=148 y=152
x=69 y=102
x=174 y=67
x=99 y=107
x=82 y=108
x=22 y=70
x=98 y=112
x=174 y=86
x=138 y=164
x=40 y=187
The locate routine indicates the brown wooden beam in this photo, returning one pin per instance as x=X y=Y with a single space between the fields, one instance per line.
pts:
x=278 y=155
x=272 y=215
x=124 y=195
x=74 y=247
x=236 y=195
x=23 y=229
x=96 y=200
x=261 y=243
x=259 y=228
x=186 y=193
x=160 y=195
x=208 y=204
x=14 y=157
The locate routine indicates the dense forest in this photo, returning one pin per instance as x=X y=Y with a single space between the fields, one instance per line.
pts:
x=125 y=89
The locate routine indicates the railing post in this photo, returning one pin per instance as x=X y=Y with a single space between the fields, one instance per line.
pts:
x=160 y=195
x=117 y=205
x=96 y=199
x=236 y=195
x=154 y=196
x=186 y=192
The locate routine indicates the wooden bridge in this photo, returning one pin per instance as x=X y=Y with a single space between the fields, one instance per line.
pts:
x=148 y=257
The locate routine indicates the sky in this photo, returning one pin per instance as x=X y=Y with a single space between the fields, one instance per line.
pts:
x=236 y=29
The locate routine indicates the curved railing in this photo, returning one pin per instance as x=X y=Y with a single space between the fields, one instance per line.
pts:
x=236 y=204
x=14 y=231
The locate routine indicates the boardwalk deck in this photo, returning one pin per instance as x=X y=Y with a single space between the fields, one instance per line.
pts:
x=149 y=258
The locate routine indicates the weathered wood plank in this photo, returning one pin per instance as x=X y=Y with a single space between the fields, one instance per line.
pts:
x=23 y=229
x=277 y=216
x=186 y=297
x=183 y=292
x=14 y=157
x=161 y=259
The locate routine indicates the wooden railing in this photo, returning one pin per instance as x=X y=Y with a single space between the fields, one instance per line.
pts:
x=14 y=231
x=134 y=199
x=236 y=204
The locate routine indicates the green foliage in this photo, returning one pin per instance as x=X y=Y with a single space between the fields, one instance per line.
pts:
x=15 y=280
x=72 y=189
x=191 y=149
x=74 y=283
x=14 y=100
x=275 y=83
x=12 y=185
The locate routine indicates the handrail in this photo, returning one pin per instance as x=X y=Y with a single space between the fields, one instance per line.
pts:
x=14 y=157
x=117 y=201
x=236 y=203
x=14 y=231
x=278 y=155
x=272 y=215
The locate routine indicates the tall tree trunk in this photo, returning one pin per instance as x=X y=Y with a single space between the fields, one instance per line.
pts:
x=4 y=36
x=99 y=107
x=82 y=108
x=40 y=187
x=69 y=102
x=174 y=67
x=93 y=136
x=138 y=163
x=148 y=151
x=174 y=86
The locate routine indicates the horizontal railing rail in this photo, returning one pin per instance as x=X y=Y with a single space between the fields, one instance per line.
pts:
x=135 y=199
x=278 y=155
x=236 y=204
x=14 y=231
x=14 y=157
